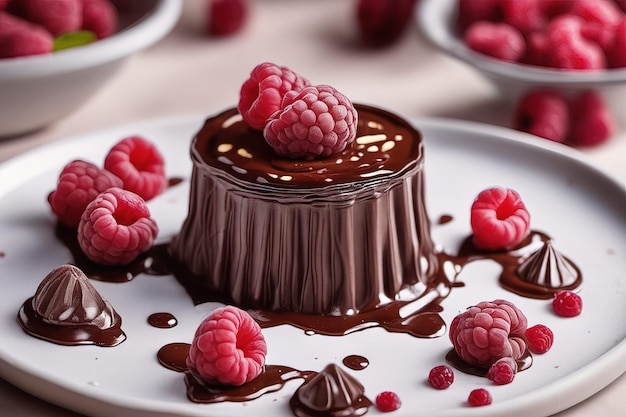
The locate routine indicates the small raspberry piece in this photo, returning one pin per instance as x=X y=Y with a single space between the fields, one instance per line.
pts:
x=524 y=15
x=79 y=183
x=382 y=22
x=472 y=11
x=225 y=17
x=479 y=397
x=100 y=17
x=228 y=348
x=593 y=122
x=567 y=304
x=543 y=113
x=616 y=51
x=139 y=164
x=499 y=219
x=498 y=40
x=441 y=377
x=539 y=339
x=116 y=227
x=603 y=12
x=318 y=121
x=388 y=401
x=502 y=371
x=568 y=49
x=487 y=332
x=58 y=16
x=19 y=37
x=262 y=94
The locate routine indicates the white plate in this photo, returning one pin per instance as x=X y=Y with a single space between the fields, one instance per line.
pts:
x=580 y=207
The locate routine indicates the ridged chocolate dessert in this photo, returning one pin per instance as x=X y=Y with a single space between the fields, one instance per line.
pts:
x=337 y=236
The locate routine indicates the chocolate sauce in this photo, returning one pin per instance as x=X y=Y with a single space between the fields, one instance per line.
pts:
x=523 y=363
x=66 y=309
x=445 y=218
x=162 y=320
x=331 y=393
x=273 y=378
x=356 y=362
x=174 y=356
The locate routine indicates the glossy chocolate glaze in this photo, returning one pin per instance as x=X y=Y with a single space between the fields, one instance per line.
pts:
x=331 y=393
x=335 y=236
x=356 y=362
x=162 y=320
x=173 y=356
x=66 y=309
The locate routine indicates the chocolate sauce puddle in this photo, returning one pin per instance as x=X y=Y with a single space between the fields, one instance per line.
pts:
x=162 y=320
x=173 y=356
x=356 y=362
x=523 y=363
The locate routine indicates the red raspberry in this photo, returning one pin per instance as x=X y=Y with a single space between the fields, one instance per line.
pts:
x=537 y=45
x=472 y=11
x=479 y=397
x=539 y=339
x=441 y=377
x=116 y=227
x=100 y=17
x=616 y=51
x=79 y=183
x=568 y=49
x=543 y=113
x=382 y=22
x=19 y=37
x=228 y=348
x=139 y=164
x=487 y=332
x=262 y=94
x=4 y=4
x=499 y=219
x=502 y=371
x=553 y=8
x=318 y=121
x=225 y=17
x=601 y=35
x=498 y=40
x=524 y=15
x=567 y=304
x=592 y=120
x=58 y=16
x=388 y=401
x=604 y=12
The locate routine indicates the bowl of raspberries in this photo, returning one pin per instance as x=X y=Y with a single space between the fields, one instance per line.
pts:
x=554 y=59
x=55 y=54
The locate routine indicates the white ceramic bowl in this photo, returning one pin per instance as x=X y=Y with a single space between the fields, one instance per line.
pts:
x=36 y=91
x=437 y=18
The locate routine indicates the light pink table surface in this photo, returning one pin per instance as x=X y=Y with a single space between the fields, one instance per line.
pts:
x=188 y=73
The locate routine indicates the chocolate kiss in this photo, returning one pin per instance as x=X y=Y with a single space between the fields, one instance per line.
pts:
x=547 y=267
x=66 y=297
x=331 y=390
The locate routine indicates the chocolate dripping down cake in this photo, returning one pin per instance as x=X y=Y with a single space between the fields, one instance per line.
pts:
x=331 y=234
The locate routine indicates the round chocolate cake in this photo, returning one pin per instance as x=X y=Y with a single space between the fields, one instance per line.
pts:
x=339 y=236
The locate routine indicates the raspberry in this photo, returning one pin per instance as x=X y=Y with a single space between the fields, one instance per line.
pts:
x=568 y=49
x=382 y=22
x=479 y=397
x=318 y=121
x=603 y=12
x=471 y=11
x=616 y=51
x=537 y=45
x=79 y=183
x=388 y=401
x=262 y=94
x=19 y=37
x=487 y=332
x=567 y=304
x=524 y=15
x=592 y=120
x=225 y=17
x=116 y=227
x=539 y=338
x=228 y=348
x=498 y=40
x=543 y=113
x=57 y=16
x=4 y=4
x=499 y=219
x=502 y=371
x=100 y=17
x=140 y=166
x=441 y=377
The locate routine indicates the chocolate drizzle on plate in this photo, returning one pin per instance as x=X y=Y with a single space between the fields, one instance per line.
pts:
x=524 y=362
x=356 y=362
x=162 y=320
